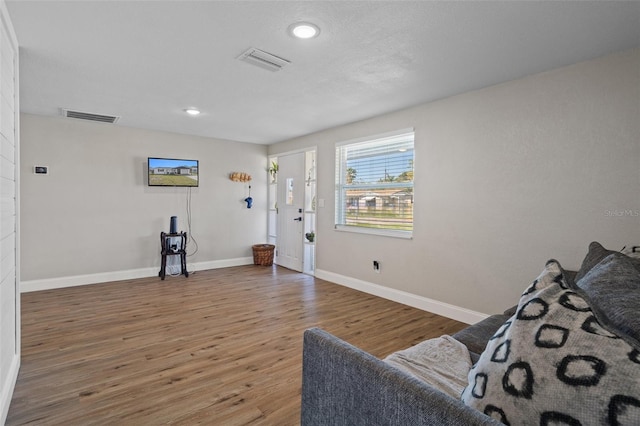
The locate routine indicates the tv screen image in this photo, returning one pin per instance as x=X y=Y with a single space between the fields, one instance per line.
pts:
x=172 y=172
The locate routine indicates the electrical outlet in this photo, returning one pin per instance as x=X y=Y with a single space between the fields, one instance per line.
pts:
x=376 y=266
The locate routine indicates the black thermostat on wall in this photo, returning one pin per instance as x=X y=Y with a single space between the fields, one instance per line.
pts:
x=41 y=170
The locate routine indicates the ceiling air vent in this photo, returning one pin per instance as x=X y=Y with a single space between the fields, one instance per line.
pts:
x=263 y=59
x=89 y=116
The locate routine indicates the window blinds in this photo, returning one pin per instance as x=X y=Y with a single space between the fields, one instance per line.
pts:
x=374 y=183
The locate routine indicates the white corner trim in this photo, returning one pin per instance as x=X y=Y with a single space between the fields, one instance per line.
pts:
x=440 y=308
x=76 y=280
x=7 y=387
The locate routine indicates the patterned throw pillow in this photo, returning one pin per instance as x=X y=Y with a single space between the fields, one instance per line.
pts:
x=553 y=363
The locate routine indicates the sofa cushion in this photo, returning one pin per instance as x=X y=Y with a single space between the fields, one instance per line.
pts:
x=442 y=362
x=554 y=363
x=613 y=290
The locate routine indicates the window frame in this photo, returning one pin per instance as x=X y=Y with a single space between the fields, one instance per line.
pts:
x=341 y=188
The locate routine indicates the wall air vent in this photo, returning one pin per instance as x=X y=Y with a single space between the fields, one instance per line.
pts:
x=263 y=59
x=89 y=116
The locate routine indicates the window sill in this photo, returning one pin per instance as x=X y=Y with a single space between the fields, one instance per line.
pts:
x=405 y=235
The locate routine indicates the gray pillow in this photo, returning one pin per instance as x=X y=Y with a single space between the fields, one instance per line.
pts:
x=612 y=288
x=594 y=256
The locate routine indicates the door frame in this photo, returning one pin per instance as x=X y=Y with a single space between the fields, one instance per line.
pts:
x=272 y=234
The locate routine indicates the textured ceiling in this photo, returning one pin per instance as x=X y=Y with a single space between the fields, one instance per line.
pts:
x=147 y=61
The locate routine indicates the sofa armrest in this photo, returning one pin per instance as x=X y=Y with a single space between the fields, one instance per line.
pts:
x=343 y=385
x=476 y=336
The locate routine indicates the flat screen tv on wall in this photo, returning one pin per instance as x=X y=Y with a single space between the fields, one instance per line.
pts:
x=172 y=172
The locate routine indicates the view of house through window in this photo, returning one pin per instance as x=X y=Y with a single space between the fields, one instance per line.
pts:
x=374 y=183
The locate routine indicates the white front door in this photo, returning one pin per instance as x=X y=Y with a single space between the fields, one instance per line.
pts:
x=290 y=211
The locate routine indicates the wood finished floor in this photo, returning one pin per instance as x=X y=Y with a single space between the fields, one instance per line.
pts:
x=222 y=347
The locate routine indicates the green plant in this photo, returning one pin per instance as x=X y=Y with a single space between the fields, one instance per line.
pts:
x=273 y=170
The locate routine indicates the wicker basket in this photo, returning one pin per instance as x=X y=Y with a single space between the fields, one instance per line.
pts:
x=263 y=254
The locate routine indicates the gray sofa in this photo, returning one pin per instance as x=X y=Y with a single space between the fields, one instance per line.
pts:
x=343 y=385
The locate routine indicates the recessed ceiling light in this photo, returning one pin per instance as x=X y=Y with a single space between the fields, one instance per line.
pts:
x=304 y=30
x=192 y=111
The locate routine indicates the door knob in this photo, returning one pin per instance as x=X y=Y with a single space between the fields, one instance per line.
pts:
x=299 y=219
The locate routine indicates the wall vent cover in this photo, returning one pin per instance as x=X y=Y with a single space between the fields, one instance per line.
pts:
x=263 y=59
x=81 y=115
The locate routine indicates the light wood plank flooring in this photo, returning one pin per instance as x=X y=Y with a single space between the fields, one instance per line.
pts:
x=222 y=347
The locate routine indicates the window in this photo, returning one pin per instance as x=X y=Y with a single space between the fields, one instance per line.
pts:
x=374 y=184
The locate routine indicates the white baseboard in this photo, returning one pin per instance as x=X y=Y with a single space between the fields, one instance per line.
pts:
x=440 y=308
x=76 y=280
x=7 y=387
x=217 y=264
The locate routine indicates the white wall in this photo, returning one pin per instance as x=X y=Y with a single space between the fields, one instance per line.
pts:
x=93 y=217
x=9 y=212
x=506 y=177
